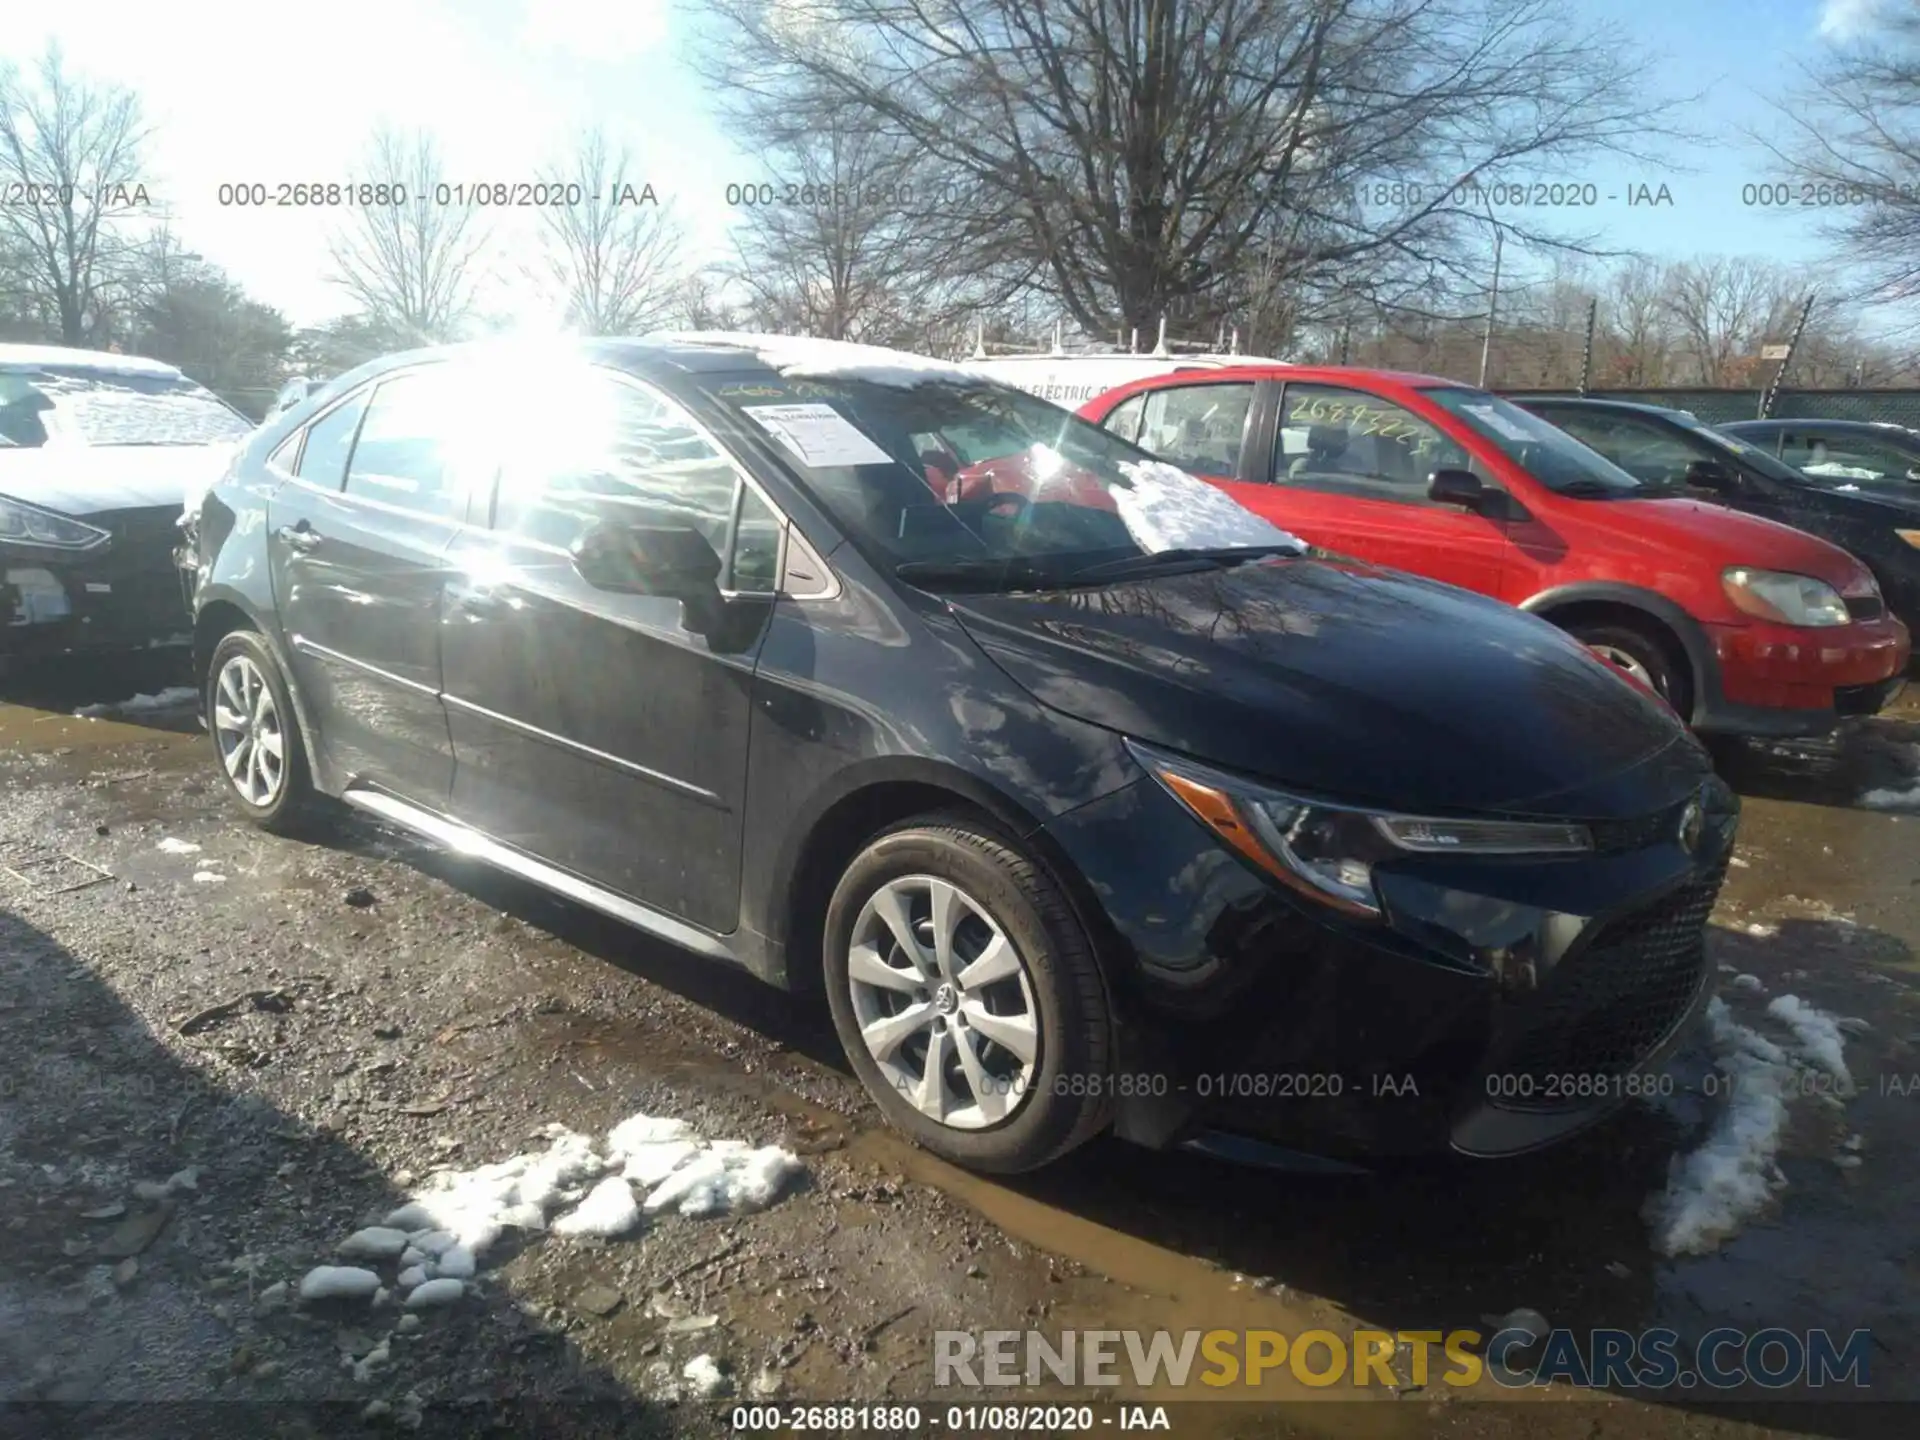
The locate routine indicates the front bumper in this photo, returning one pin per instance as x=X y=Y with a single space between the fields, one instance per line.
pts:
x=124 y=594
x=1501 y=1006
x=1780 y=680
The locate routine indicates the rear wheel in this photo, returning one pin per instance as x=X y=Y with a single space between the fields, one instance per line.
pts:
x=966 y=996
x=1647 y=657
x=256 y=735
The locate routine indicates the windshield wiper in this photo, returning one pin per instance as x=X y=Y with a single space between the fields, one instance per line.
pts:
x=1012 y=572
x=1601 y=490
x=1188 y=558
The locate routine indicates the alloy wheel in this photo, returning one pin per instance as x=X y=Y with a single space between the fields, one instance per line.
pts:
x=1614 y=655
x=944 y=1002
x=248 y=730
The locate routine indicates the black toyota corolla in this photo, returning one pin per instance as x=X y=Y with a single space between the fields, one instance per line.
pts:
x=1089 y=799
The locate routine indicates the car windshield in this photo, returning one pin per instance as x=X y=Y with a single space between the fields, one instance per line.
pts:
x=1546 y=452
x=58 y=407
x=1751 y=455
x=957 y=480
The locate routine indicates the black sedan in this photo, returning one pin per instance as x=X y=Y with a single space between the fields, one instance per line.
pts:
x=1089 y=799
x=1869 y=456
x=98 y=453
x=1673 y=448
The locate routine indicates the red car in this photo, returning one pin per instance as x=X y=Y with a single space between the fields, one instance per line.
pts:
x=1743 y=625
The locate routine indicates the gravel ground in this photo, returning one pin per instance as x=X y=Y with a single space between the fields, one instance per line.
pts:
x=209 y=1083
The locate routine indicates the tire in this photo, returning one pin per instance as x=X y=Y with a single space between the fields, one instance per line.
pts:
x=1054 y=992
x=288 y=804
x=1654 y=657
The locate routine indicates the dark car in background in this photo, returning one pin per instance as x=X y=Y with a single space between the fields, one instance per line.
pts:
x=98 y=452
x=1874 y=457
x=1675 y=450
x=1103 y=804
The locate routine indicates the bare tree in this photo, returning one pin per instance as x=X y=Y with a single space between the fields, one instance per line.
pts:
x=1852 y=142
x=408 y=258
x=70 y=155
x=611 y=254
x=1724 y=309
x=831 y=245
x=1134 y=156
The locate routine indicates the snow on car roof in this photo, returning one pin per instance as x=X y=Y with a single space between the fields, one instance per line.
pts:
x=45 y=356
x=803 y=355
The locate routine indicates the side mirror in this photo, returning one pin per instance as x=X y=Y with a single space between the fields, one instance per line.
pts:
x=1457 y=487
x=1709 y=475
x=674 y=561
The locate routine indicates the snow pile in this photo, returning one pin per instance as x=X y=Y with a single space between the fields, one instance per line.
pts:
x=436 y=1239
x=179 y=847
x=174 y=697
x=728 y=1177
x=1890 y=798
x=1168 y=509
x=1731 y=1175
x=705 y=1378
x=209 y=877
x=1821 y=1043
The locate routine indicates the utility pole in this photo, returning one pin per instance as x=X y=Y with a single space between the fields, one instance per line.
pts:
x=1493 y=303
x=1772 y=392
x=1586 y=354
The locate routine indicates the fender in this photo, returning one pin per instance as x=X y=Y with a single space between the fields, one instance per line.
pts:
x=1701 y=657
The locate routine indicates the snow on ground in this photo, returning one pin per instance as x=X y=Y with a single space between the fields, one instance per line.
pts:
x=1713 y=1189
x=179 y=847
x=174 y=697
x=1167 y=509
x=209 y=877
x=434 y=1242
x=1821 y=1042
x=705 y=1377
x=1893 y=798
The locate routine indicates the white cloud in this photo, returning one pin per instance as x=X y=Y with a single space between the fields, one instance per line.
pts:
x=1848 y=19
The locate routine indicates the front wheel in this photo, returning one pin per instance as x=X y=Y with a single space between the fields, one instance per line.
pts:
x=966 y=996
x=1645 y=657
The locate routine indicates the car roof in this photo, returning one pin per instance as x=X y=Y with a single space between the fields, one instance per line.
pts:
x=1281 y=369
x=1808 y=422
x=62 y=357
x=1596 y=402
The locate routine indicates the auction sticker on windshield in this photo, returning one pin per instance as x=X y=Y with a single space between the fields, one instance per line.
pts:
x=1498 y=421
x=819 y=434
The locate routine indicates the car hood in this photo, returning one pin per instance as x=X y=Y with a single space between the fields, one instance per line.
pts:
x=1704 y=531
x=1347 y=682
x=81 y=480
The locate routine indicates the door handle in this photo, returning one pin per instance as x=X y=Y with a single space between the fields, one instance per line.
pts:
x=300 y=536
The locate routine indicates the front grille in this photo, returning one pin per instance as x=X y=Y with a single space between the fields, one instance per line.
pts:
x=1605 y=1009
x=1866 y=607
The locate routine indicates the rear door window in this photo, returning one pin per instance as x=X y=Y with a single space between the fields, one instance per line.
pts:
x=323 y=459
x=408 y=448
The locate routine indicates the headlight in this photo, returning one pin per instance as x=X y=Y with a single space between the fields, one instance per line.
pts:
x=1783 y=598
x=30 y=525
x=1328 y=851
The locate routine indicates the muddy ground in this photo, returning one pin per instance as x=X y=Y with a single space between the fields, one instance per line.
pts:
x=286 y=1050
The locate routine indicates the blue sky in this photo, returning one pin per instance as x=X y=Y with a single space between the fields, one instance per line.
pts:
x=242 y=93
